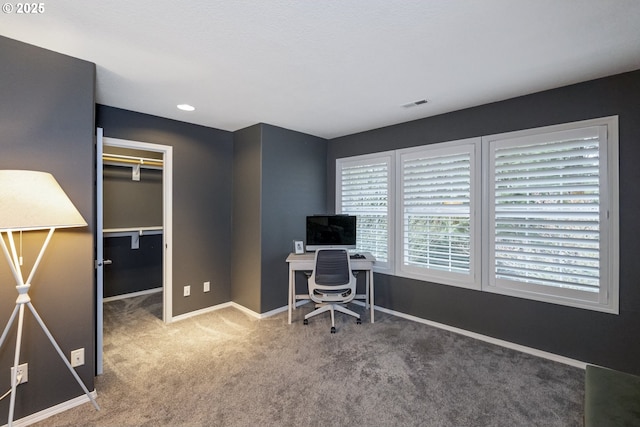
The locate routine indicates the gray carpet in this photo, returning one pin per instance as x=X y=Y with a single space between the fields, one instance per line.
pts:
x=228 y=369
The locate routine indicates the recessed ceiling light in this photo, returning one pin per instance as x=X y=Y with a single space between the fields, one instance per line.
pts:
x=186 y=107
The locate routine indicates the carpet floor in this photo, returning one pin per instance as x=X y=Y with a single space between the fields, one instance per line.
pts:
x=226 y=368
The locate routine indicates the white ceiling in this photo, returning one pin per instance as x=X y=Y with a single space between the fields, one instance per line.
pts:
x=331 y=67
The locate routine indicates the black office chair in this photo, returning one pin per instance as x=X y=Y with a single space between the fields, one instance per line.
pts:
x=332 y=284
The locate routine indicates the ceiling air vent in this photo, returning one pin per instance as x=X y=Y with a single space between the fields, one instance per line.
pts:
x=414 y=103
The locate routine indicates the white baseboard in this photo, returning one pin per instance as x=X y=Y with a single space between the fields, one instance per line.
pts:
x=132 y=294
x=237 y=306
x=268 y=313
x=53 y=410
x=507 y=344
x=201 y=311
x=265 y=314
x=252 y=313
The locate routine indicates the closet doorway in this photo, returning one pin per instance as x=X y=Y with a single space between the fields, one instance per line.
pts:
x=139 y=226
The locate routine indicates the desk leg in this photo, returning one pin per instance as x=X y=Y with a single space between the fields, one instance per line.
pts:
x=371 y=293
x=366 y=290
x=291 y=290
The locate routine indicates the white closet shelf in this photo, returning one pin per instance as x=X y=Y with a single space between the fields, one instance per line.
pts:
x=121 y=160
x=128 y=230
x=133 y=232
x=135 y=163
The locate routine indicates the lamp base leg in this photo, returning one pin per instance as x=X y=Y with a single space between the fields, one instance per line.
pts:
x=23 y=299
x=61 y=354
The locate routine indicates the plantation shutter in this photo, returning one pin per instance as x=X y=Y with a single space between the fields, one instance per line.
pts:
x=436 y=210
x=364 y=192
x=546 y=210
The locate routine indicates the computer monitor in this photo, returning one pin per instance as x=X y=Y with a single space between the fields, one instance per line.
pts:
x=331 y=231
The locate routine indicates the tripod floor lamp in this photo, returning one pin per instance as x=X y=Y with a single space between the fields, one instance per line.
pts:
x=32 y=201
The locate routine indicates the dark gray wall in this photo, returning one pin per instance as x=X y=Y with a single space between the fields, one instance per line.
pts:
x=247 y=239
x=293 y=186
x=599 y=338
x=279 y=178
x=202 y=172
x=129 y=203
x=132 y=270
x=47 y=124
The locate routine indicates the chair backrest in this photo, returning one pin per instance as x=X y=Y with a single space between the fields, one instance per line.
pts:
x=331 y=279
x=332 y=267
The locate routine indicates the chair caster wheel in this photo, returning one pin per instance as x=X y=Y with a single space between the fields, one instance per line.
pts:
x=306 y=321
x=358 y=321
x=333 y=330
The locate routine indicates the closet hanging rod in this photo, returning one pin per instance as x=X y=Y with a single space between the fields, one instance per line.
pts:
x=132 y=160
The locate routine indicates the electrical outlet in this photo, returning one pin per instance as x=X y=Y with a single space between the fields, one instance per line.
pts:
x=77 y=357
x=22 y=369
x=207 y=286
x=187 y=290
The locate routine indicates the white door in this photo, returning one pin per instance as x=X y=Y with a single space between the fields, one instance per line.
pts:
x=99 y=254
x=167 y=239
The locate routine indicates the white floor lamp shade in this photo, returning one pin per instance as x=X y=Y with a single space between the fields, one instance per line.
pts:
x=31 y=200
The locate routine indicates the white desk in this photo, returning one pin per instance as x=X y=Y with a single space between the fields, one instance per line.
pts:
x=305 y=262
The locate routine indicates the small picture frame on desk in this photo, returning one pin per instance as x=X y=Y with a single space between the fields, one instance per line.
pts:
x=298 y=246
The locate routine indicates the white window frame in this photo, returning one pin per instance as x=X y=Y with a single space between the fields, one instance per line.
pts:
x=387 y=157
x=471 y=280
x=607 y=299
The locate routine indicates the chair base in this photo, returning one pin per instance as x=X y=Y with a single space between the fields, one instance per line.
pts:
x=332 y=308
